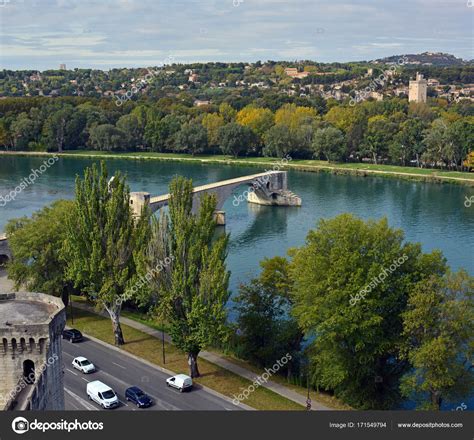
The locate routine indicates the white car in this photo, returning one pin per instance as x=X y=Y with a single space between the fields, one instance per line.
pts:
x=82 y=364
x=180 y=381
x=102 y=394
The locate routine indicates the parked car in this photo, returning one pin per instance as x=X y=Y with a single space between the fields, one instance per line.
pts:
x=180 y=381
x=72 y=335
x=82 y=364
x=102 y=394
x=138 y=397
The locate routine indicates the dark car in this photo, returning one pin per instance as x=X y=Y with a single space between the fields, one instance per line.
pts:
x=138 y=397
x=72 y=335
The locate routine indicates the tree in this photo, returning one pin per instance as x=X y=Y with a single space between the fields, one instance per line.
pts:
x=268 y=332
x=36 y=244
x=64 y=129
x=193 y=290
x=235 y=139
x=212 y=122
x=103 y=248
x=107 y=137
x=408 y=142
x=436 y=141
x=227 y=112
x=439 y=329
x=278 y=141
x=160 y=133
x=259 y=120
x=329 y=142
x=192 y=138
x=132 y=129
x=352 y=281
x=461 y=136
x=23 y=131
x=377 y=138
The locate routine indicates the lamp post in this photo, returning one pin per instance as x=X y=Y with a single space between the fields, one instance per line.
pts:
x=163 y=341
x=70 y=302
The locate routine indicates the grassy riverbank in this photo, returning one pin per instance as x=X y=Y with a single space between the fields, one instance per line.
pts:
x=360 y=169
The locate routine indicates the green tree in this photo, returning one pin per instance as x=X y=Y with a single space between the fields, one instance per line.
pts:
x=193 y=290
x=36 y=245
x=436 y=141
x=439 y=330
x=330 y=143
x=104 y=245
x=107 y=137
x=235 y=139
x=408 y=142
x=268 y=332
x=192 y=138
x=377 y=138
x=278 y=141
x=351 y=285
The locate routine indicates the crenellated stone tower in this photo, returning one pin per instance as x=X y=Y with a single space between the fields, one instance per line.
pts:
x=31 y=366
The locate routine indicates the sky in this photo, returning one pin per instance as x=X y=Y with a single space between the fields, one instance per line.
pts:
x=104 y=34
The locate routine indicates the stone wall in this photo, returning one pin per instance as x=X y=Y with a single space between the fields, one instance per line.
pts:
x=39 y=343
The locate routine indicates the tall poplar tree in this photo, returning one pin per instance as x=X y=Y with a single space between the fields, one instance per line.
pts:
x=192 y=290
x=104 y=245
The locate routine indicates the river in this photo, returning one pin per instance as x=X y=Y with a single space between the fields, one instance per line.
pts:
x=433 y=214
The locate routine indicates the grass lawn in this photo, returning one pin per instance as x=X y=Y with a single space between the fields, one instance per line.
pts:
x=149 y=348
x=307 y=165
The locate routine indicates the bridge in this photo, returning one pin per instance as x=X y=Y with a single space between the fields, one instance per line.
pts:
x=267 y=188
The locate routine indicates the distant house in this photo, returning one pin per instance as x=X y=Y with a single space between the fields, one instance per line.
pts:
x=201 y=102
x=433 y=82
x=193 y=77
x=293 y=73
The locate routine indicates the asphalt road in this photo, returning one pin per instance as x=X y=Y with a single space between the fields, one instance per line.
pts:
x=120 y=371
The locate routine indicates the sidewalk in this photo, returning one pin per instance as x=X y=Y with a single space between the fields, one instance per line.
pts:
x=214 y=358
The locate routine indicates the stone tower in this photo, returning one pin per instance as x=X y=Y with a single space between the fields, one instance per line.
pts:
x=31 y=366
x=418 y=89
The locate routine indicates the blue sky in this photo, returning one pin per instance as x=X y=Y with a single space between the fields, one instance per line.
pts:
x=41 y=34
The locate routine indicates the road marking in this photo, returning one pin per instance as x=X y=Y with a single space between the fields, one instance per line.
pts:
x=118 y=365
x=123 y=403
x=75 y=374
x=80 y=400
x=84 y=379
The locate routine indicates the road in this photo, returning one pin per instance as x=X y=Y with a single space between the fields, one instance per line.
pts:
x=120 y=371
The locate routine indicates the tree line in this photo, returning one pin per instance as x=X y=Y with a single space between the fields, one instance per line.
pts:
x=387 y=132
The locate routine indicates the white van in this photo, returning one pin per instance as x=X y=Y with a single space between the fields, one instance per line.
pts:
x=102 y=394
x=180 y=381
